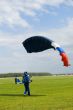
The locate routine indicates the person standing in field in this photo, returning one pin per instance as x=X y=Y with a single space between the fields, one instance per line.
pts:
x=26 y=81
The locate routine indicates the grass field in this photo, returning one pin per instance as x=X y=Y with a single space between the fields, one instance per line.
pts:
x=47 y=93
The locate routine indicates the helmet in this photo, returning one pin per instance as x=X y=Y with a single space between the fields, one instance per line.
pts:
x=25 y=74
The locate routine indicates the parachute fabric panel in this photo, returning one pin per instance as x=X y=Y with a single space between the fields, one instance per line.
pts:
x=60 y=50
x=37 y=44
x=65 y=59
x=64 y=56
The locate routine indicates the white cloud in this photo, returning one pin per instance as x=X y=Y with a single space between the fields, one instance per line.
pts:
x=10 y=10
x=10 y=41
x=63 y=35
x=10 y=15
x=51 y=2
x=69 y=2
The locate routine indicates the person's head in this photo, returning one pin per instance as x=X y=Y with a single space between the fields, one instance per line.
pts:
x=25 y=74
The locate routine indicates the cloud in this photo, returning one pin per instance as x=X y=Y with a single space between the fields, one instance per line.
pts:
x=10 y=10
x=51 y=2
x=62 y=35
x=69 y=2
x=8 y=40
x=55 y=2
x=10 y=16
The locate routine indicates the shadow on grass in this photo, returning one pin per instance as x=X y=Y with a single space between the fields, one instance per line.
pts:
x=22 y=95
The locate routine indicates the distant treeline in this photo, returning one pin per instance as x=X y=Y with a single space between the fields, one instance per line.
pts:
x=21 y=74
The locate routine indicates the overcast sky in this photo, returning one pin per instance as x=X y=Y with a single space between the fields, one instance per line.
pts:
x=21 y=19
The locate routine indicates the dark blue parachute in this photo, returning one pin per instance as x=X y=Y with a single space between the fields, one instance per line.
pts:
x=37 y=44
x=40 y=43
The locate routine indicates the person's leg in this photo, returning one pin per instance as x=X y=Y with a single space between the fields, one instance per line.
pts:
x=28 y=89
x=25 y=88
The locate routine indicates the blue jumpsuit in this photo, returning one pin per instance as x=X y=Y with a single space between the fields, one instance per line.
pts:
x=26 y=81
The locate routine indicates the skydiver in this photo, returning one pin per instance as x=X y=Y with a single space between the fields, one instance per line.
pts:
x=26 y=81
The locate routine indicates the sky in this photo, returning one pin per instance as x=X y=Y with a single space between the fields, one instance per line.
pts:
x=21 y=19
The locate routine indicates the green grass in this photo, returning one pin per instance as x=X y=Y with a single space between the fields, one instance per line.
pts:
x=47 y=93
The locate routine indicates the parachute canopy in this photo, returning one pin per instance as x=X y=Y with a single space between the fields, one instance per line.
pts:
x=40 y=43
x=37 y=44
